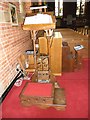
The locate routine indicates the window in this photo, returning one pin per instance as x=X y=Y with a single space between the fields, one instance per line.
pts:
x=80 y=7
x=61 y=8
x=58 y=7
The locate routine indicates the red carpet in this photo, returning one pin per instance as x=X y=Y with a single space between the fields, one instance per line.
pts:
x=76 y=87
x=37 y=89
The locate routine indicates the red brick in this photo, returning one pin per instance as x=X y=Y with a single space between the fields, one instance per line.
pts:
x=14 y=42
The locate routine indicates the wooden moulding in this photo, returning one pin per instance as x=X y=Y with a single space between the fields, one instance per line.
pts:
x=39 y=26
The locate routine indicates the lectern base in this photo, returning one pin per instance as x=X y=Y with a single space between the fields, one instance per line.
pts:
x=53 y=97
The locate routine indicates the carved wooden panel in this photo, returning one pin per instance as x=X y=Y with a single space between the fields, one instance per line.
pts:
x=42 y=63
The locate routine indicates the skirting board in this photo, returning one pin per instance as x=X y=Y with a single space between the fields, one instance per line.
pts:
x=57 y=74
x=10 y=86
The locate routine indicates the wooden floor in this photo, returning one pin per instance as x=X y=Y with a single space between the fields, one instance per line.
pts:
x=74 y=38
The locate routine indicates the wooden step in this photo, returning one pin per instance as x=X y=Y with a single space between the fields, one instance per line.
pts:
x=59 y=99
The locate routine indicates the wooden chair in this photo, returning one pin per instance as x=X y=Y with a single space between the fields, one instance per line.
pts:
x=27 y=63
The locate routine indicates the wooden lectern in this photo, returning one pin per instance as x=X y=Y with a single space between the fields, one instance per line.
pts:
x=45 y=93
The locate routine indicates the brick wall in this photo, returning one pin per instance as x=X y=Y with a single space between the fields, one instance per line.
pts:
x=28 y=4
x=13 y=42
